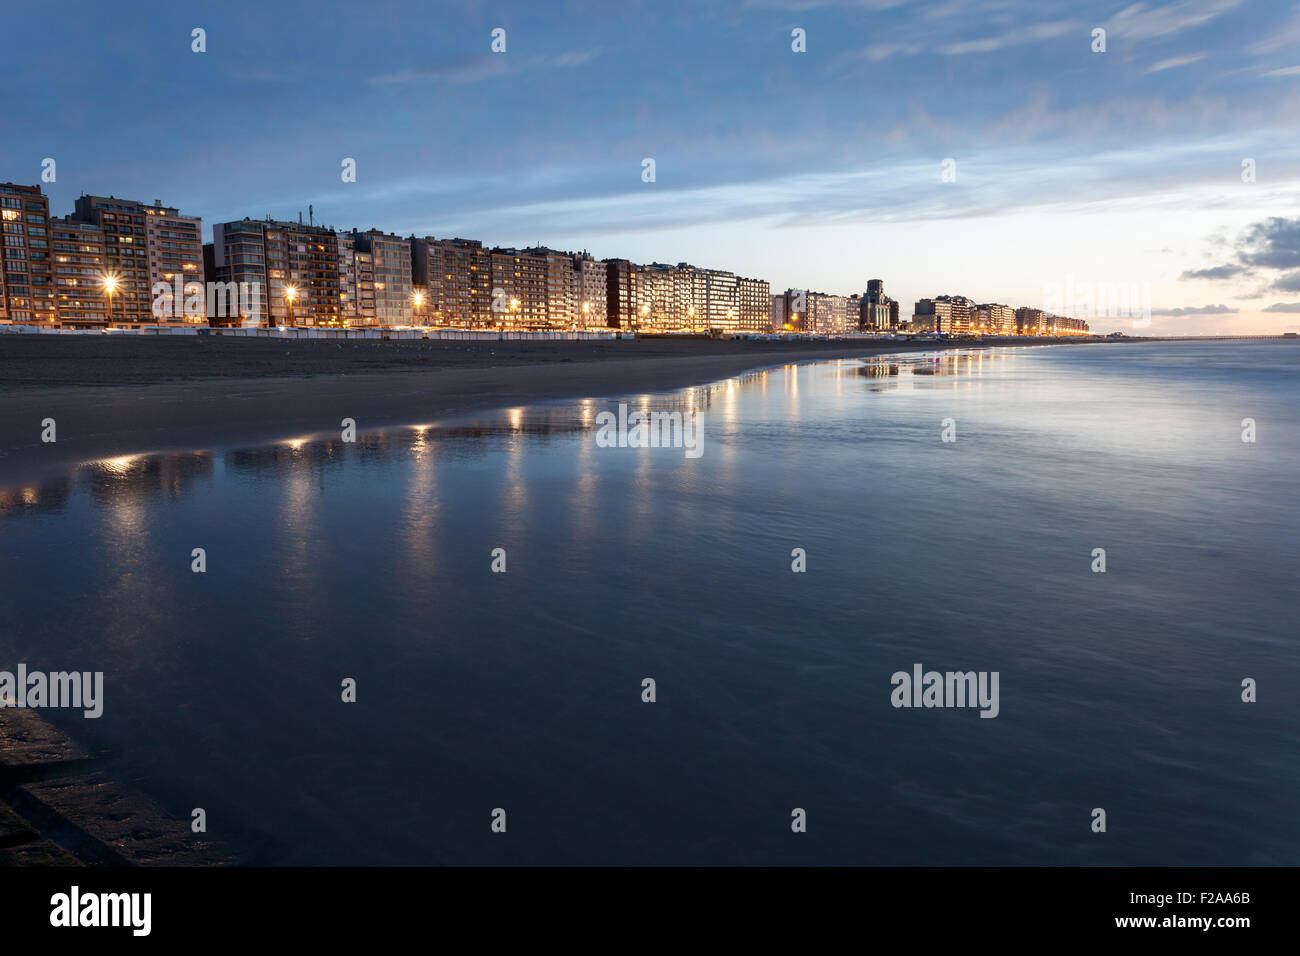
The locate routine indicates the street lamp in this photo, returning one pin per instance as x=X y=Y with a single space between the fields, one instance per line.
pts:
x=417 y=300
x=514 y=313
x=290 y=293
x=110 y=286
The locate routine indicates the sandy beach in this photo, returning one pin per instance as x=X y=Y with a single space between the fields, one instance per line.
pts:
x=120 y=396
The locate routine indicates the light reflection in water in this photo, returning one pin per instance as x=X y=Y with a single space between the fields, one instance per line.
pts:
x=322 y=559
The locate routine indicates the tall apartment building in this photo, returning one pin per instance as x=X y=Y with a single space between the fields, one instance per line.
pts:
x=126 y=255
x=27 y=284
x=590 y=277
x=666 y=298
x=77 y=259
x=755 y=304
x=238 y=255
x=519 y=284
x=175 y=248
x=356 y=282
x=946 y=313
x=391 y=261
x=804 y=311
x=304 y=258
x=834 y=314
x=561 y=292
x=279 y=258
x=722 y=304
x=1030 y=321
x=790 y=311
x=621 y=281
x=778 y=316
x=995 y=319
x=457 y=274
x=658 y=298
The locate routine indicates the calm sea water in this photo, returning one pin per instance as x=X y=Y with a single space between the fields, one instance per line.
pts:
x=522 y=690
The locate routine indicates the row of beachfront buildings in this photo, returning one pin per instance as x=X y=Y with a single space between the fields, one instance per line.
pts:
x=107 y=262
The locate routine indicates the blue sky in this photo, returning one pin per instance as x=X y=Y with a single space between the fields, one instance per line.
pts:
x=812 y=170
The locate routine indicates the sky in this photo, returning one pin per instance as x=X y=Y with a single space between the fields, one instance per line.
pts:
x=965 y=147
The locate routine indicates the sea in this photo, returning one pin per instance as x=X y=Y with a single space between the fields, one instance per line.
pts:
x=505 y=639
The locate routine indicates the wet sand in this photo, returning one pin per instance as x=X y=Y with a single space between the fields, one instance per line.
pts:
x=132 y=395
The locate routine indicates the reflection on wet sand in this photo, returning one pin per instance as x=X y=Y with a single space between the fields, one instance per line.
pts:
x=890 y=372
x=135 y=479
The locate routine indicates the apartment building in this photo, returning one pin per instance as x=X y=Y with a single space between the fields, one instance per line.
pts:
x=390 y=260
x=356 y=282
x=237 y=256
x=995 y=319
x=519 y=284
x=621 y=281
x=722 y=301
x=561 y=294
x=294 y=268
x=126 y=255
x=778 y=316
x=1030 y=321
x=755 y=304
x=27 y=283
x=77 y=261
x=457 y=276
x=174 y=246
x=954 y=314
x=658 y=298
x=802 y=311
x=833 y=314
x=590 y=277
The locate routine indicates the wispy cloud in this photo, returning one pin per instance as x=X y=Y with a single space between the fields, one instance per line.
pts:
x=1196 y=310
x=1214 y=272
x=1174 y=62
x=1017 y=36
x=472 y=68
x=1286 y=37
x=1143 y=22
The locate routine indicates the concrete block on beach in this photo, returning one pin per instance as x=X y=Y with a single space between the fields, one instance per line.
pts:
x=61 y=804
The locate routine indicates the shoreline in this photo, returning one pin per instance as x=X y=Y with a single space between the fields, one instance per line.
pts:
x=99 y=421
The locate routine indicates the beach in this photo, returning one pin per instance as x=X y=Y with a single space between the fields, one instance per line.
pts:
x=111 y=396
x=374 y=562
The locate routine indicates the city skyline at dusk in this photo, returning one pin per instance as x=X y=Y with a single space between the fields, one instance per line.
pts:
x=814 y=169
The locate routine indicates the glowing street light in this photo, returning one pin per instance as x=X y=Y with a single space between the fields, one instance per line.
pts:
x=110 y=286
x=290 y=293
x=417 y=300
